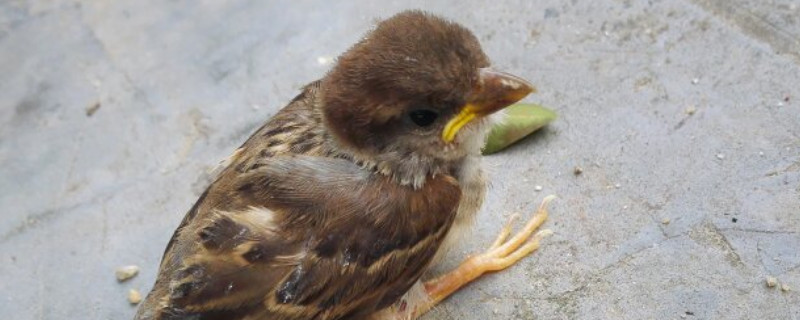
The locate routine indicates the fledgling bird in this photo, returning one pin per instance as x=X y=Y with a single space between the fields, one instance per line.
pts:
x=337 y=206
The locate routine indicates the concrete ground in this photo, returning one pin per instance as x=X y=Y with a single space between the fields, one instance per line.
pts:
x=684 y=116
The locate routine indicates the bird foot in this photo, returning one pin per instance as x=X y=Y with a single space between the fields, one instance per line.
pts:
x=503 y=253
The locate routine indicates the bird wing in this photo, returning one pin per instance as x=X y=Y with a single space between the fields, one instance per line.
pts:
x=301 y=237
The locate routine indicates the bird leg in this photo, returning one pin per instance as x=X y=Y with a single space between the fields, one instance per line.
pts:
x=503 y=253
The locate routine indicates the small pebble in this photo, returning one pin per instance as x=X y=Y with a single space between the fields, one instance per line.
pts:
x=665 y=221
x=537 y=188
x=90 y=110
x=785 y=288
x=720 y=156
x=772 y=281
x=126 y=272
x=577 y=171
x=761 y=153
x=734 y=220
x=690 y=110
x=695 y=80
x=134 y=297
x=617 y=186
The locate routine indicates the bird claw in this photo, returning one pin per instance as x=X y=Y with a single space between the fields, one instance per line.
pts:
x=506 y=251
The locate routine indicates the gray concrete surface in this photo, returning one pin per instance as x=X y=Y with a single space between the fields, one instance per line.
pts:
x=180 y=84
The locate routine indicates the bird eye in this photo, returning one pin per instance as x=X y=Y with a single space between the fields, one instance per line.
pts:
x=423 y=117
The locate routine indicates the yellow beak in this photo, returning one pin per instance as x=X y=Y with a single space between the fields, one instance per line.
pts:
x=495 y=91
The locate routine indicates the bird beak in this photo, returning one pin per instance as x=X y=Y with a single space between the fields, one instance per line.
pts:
x=495 y=91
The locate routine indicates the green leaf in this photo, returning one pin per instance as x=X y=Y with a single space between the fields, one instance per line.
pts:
x=522 y=119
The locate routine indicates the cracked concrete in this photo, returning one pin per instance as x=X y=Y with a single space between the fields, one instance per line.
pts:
x=680 y=111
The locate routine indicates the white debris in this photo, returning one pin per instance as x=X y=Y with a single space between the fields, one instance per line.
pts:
x=324 y=60
x=772 y=281
x=126 y=272
x=134 y=297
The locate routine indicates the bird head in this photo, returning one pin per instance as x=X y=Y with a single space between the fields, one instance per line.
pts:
x=416 y=86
